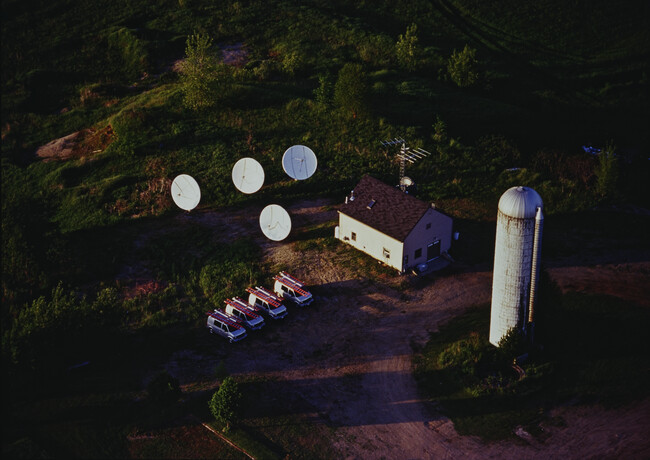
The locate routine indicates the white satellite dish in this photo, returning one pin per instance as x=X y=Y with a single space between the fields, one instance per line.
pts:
x=185 y=192
x=248 y=175
x=275 y=222
x=299 y=162
x=406 y=181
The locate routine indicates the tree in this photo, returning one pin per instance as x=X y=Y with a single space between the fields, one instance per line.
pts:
x=607 y=172
x=407 y=50
x=225 y=402
x=200 y=73
x=463 y=67
x=351 y=89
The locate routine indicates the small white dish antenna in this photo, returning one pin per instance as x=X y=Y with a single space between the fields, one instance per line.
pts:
x=248 y=175
x=299 y=162
x=406 y=181
x=275 y=222
x=186 y=193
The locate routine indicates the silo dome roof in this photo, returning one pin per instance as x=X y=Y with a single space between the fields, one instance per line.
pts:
x=520 y=202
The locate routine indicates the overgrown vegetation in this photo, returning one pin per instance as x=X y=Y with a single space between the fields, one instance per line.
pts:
x=462 y=67
x=148 y=86
x=592 y=351
x=200 y=73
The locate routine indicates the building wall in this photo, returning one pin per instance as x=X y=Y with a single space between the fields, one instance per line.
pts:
x=371 y=241
x=420 y=237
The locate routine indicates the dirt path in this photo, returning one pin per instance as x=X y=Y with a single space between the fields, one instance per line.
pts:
x=349 y=355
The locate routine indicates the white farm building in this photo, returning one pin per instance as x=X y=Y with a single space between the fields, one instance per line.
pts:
x=393 y=227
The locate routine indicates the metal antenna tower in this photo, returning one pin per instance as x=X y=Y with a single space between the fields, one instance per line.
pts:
x=406 y=154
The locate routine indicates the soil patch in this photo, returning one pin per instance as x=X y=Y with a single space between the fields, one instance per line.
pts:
x=235 y=55
x=83 y=143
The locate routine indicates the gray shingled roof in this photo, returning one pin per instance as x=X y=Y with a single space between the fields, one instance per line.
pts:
x=393 y=213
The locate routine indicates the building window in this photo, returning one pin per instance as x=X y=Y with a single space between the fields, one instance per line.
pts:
x=418 y=253
x=428 y=225
x=406 y=259
x=353 y=236
x=386 y=253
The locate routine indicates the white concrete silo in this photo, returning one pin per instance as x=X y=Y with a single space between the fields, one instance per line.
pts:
x=516 y=261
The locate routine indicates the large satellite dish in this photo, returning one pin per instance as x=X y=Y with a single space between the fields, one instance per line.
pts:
x=248 y=175
x=185 y=192
x=299 y=162
x=275 y=222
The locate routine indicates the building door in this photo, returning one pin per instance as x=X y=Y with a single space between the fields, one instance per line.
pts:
x=433 y=250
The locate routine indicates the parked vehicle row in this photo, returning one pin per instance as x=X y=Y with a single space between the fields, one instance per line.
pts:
x=239 y=315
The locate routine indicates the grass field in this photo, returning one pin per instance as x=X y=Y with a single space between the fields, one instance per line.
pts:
x=552 y=77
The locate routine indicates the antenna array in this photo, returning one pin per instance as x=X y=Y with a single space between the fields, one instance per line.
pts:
x=393 y=142
x=406 y=154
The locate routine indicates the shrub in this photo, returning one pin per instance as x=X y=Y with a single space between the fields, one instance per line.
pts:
x=463 y=67
x=290 y=59
x=351 y=89
x=226 y=402
x=439 y=130
x=407 y=50
x=607 y=171
x=201 y=73
x=323 y=94
x=376 y=50
x=49 y=331
x=512 y=344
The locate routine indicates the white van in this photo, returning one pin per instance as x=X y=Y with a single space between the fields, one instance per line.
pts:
x=291 y=288
x=246 y=314
x=225 y=325
x=267 y=302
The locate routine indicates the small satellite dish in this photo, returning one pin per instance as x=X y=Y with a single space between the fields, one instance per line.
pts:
x=299 y=162
x=248 y=175
x=275 y=222
x=406 y=181
x=185 y=192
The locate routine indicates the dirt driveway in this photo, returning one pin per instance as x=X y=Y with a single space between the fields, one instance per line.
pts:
x=349 y=355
